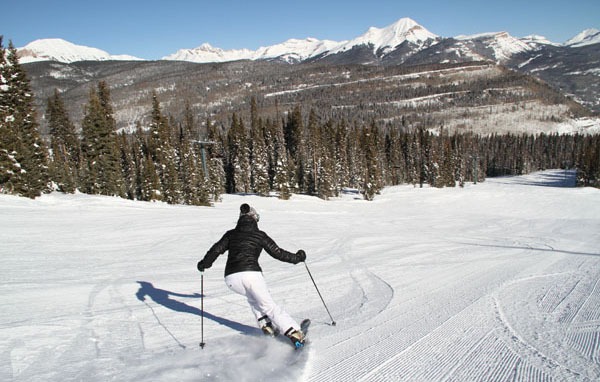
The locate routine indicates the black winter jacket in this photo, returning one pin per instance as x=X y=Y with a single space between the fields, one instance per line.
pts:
x=245 y=243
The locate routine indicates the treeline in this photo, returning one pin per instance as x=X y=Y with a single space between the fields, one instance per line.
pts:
x=282 y=154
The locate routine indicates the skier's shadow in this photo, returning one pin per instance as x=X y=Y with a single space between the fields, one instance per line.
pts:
x=164 y=298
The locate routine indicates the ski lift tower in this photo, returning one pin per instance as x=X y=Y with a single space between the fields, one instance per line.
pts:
x=203 y=144
x=475 y=158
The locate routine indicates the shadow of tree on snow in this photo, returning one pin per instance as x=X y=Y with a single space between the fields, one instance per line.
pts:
x=554 y=178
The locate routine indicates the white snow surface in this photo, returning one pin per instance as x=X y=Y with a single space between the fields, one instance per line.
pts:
x=492 y=282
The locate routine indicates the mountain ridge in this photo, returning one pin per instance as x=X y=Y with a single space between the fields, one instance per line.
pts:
x=570 y=68
x=383 y=41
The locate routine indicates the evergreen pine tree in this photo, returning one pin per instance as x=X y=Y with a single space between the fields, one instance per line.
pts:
x=260 y=160
x=112 y=160
x=23 y=154
x=186 y=155
x=355 y=158
x=423 y=157
x=151 y=188
x=239 y=156
x=281 y=170
x=369 y=144
x=293 y=129
x=10 y=169
x=138 y=155
x=101 y=171
x=270 y=132
x=217 y=177
x=326 y=183
x=434 y=175
x=342 y=172
x=394 y=158
x=460 y=144
x=259 y=156
x=308 y=182
x=164 y=155
x=448 y=164
x=129 y=165
x=413 y=158
x=65 y=145
x=194 y=181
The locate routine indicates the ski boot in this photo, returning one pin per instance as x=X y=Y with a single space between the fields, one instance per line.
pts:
x=296 y=337
x=267 y=326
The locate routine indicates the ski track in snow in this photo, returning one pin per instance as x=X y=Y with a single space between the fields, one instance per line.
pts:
x=498 y=281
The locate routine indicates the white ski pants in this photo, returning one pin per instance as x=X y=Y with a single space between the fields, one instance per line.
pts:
x=253 y=286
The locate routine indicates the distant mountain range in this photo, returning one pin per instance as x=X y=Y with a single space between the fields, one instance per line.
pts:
x=572 y=68
x=383 y=44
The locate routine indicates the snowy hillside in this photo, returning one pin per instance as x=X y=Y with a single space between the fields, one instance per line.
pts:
x=55 y=49
x=502 y=44
x=497 y=281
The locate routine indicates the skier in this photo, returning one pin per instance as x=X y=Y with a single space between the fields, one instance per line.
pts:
x=243 y=274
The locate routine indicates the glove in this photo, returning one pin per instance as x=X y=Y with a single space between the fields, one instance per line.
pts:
x=301 y=255
x=201 y=266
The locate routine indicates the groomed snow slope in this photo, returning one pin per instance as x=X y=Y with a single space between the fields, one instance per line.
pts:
x=498 y=281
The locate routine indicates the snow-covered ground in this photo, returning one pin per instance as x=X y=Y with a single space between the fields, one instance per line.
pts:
x=498 y=281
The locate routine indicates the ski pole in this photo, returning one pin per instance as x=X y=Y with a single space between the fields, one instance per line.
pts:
x=315 y=284
x=202 y=310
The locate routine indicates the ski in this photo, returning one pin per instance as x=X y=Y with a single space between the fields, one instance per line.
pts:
x=304 y=325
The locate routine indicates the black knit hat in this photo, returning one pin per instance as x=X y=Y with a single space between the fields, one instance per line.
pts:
x=245 y=209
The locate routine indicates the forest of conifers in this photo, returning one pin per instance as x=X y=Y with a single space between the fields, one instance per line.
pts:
x=295 y=152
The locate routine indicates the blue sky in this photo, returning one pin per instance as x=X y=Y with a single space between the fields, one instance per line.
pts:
x=151 y=29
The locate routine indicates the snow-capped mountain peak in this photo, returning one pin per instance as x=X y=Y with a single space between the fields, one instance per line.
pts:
x=56 y=49
x=587 y=37
x=295 y=50
x=208 y=53
x=391 y=36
